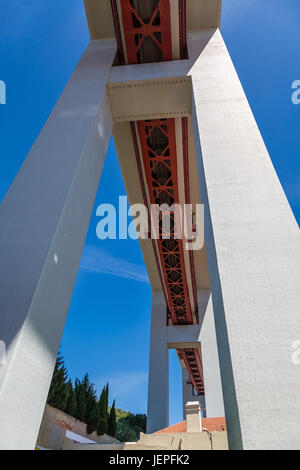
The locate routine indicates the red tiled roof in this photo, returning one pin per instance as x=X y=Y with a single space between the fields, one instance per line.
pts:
x=211 y=424
x=179 y=427
x=214 y=424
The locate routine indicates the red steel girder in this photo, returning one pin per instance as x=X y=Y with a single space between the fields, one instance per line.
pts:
x=185 y=140
x=193 y=364
x=120 y=52
x=182 y=29
x=160 y=149
x=158 y=144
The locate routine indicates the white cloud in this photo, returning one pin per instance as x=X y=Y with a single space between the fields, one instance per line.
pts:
x=99 y=260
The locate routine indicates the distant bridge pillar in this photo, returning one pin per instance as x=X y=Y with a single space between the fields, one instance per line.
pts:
x=158 y=386
x=188 y=395
x=163 y=338
x=43 y=224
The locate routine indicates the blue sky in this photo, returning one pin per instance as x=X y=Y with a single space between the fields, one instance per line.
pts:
x=107 y=330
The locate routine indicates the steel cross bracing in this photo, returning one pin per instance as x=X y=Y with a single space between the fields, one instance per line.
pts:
x=143 y=32
x=159 y=158
x=157 y=138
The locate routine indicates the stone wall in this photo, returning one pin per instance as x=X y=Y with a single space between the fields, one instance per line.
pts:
x=55 y=424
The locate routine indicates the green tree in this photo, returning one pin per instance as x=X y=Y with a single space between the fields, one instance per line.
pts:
x=130 y=426
x=81 y=400
x=124 y=432
x=112 y=421
x=102 y=407
x=137 y=422
x=71 y=401
x=58 y=392
x=93 y=420
x=92 y=411
x=106 y=400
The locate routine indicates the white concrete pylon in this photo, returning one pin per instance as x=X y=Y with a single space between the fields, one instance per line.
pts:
x=158 y=386
x=43 y=224
x=188 y=393
x=187 y=390
x=253 y=251
x=165 y=337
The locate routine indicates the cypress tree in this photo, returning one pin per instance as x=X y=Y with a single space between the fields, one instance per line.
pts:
x=81 y=402
x=93 y=419
x=106 y=395
x=71 y=402
x=102 y=406
x=58 y=392
x=92 y=411
x=112 y=421
x=106 y=401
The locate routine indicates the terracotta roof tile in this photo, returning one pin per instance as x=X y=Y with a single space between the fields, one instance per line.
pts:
x=211 y=424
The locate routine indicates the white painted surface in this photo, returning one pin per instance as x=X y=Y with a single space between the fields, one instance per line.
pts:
x=214 y=404
x=43 y=223
x=77 y=438
x=158 y=386
x=193 y=416
x=253 y=251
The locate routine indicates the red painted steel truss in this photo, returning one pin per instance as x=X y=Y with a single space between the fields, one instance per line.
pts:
x=158 y=143
x=147 y=30
x=193 y=364
x=147 y=37
x=159 y=156
x=147 y=33
x=182 y=29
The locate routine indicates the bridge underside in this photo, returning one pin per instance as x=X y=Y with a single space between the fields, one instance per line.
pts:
x=158 y=75
x=151 y=32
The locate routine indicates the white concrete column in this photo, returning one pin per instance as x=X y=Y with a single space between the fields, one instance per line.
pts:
x=214 y=404
x=158 y=387
x=43 y=224
x=187 y=390
x=253 y=251
x=187 y=394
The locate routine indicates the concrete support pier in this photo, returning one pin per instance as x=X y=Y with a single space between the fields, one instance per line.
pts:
x=165 y=337
x=188 y=395
x=158 y=386
x=253 y=250
x=43 y=224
